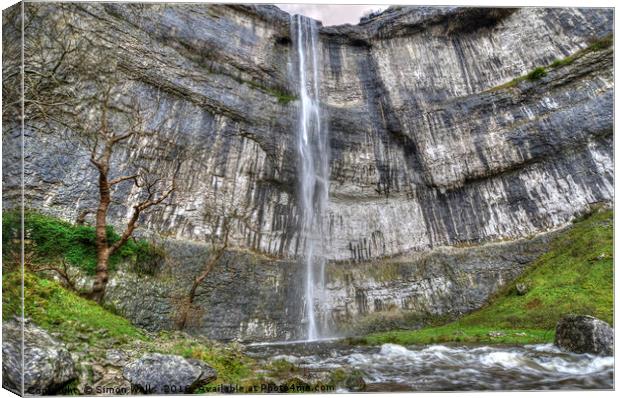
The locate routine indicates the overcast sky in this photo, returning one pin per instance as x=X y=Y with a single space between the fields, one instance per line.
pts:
x=331 y=15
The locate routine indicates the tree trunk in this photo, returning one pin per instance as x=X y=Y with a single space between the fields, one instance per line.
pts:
x=186 y=307
x=101 y=239
x=101 y=276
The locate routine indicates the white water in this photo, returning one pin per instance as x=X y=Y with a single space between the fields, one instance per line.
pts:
x=313 y=170
x=392 y=367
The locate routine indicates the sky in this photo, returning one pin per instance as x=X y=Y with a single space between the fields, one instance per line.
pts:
x=331 y=14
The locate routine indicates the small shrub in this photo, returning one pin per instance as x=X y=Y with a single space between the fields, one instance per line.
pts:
x=536 y=74
x=285 y=98
x=600 y=44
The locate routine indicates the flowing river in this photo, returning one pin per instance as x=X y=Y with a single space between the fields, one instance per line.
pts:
x=392 y=367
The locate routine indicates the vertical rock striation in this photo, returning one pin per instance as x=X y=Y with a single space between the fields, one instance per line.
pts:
x=425 y=149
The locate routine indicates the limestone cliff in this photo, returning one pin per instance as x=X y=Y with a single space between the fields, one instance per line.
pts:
x=425 y=151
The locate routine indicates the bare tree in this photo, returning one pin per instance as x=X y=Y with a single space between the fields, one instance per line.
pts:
x=153 y=187
x=74 y=86
x=224 y=212
x=219 y=245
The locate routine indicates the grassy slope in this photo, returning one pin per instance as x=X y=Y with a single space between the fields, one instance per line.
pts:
x=82 y=323
x=56 y=309
x=575 y=276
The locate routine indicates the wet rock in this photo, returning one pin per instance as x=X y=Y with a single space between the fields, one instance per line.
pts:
x=350 y=379
x=584 y=334
x=355 y=382
x=168 y=374
x=48 y=365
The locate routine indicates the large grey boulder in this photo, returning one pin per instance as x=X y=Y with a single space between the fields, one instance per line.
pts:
x=584 y=334
x=168 y=374
x=48 y=365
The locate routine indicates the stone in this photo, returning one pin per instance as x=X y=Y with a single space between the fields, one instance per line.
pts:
x=355 y=382
x=168 y=374
x=48 y=364
x=584 y=334
x=112 y=383
x=522 y=289
x=115 y=358
x=98 y=372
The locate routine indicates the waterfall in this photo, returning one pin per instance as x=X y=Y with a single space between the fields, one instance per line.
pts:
x=313 y=171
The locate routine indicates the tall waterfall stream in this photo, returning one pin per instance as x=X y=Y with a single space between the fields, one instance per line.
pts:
x=313 y=169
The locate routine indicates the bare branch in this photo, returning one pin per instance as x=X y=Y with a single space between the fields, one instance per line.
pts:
x=118 y=180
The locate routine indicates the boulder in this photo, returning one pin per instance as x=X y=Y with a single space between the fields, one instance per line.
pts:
x=584 y=334
x=48 y=365
x=168 y=374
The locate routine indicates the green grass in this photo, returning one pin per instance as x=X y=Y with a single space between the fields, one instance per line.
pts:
x=77 y=320
x=50 y=239
x=456 y=333
x=541 y=71
x=282 y=97
x=574 y=276
x=231 y=364
x=56 y=309
x=595 y=45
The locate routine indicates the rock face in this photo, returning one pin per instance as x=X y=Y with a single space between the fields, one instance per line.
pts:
x=48 y=365
x=425 y=150
x=247 y=296
x=584 y=334
x=444 y=283
x=168 y=374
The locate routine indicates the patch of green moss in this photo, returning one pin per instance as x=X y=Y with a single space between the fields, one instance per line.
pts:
x=231 y=364
x=457 y=333
x=282 y=97
x=574 y=276
x=595 y=45
x=56 y=309
x=601 y=44
x=50 y=240
x=281 y=369
x=536 y=74
x=539 y=72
